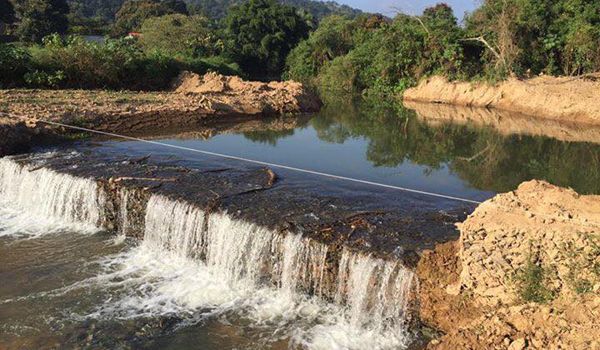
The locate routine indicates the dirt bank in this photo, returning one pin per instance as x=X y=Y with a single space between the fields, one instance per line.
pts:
x=195 y=101
x=505 y=122
x=567 y=99
x=524 y=274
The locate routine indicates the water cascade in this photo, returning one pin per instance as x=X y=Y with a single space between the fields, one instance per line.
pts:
x=326 y=297
x=373 y=293
x=50 y=196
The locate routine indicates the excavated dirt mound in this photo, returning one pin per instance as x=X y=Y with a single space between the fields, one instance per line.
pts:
x=539 y=240
x=572 y=99
x=539 y=223
x=505 y=122
x=231 y=92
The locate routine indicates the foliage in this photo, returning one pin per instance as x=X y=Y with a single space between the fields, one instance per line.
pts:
x=316 y=9
x=14 y=63
x=532 y=282
x=38 y=18
x=115 y=64
x=104 y=10
x=333 y=38
x=260 y=35
x=134 y=12
x=376 y=56
x=525 y=37
x=180 y=34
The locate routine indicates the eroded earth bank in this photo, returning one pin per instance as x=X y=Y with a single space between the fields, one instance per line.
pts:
x=561 y=99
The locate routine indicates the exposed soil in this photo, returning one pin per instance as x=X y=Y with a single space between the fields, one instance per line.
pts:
x=505 y=122
x=565 y=99
x=471 y=289
x=195 y=102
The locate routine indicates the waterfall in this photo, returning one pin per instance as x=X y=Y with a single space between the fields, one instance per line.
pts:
x=376 y=291
x=46 y=194
x=373 y=293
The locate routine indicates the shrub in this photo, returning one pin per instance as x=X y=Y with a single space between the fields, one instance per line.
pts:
x=15 y=62
x=531 y=284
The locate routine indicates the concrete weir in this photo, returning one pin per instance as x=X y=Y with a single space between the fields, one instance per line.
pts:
x=247 y=224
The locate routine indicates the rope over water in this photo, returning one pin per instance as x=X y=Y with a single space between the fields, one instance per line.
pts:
x=253 y=161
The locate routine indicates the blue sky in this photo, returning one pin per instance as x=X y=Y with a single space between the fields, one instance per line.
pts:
x=410 y=6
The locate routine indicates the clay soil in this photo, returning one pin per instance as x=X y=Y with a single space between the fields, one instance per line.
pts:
x=194 y=101
x=470 y=289
x=565 y=99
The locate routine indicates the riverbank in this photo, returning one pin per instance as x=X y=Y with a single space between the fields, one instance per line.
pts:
x=562 y=99
x=523 y=274
x=504 y=122
x=195 y=101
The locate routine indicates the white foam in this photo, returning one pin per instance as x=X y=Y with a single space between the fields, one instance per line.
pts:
x=196 y=269
x=34 y=201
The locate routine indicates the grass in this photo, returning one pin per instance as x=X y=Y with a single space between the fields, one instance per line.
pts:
x=531 y=284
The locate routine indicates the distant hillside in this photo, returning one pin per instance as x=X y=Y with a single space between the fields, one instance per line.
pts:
x=215 y=9
x=319 y=9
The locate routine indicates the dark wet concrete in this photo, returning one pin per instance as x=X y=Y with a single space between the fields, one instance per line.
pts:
x=386 y=223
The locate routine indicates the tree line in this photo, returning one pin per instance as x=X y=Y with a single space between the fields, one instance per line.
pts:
x=501 y=38
x=265 y=39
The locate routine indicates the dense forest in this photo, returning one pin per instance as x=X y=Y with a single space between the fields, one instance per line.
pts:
x=216 y=9
x=327 y=46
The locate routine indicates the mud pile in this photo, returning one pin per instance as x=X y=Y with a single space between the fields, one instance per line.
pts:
x=523 y=275
x=541 y=224
x=231 y=93
x=572 y=99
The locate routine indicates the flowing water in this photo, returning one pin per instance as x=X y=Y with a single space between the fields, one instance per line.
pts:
x=194 y=278
x=206 y=281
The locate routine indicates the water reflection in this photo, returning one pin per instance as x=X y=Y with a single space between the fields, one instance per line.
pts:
x=479 y=155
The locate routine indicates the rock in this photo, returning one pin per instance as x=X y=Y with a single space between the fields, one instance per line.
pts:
x=518 y=344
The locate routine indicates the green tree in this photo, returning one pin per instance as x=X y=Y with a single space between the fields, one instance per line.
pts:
x=524 y=37
x=38 y=18
x=261 y=33
x=134 y=12
x=180 y=34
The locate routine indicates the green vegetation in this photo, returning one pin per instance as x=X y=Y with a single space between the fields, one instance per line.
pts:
x=180 y=35
x=261 y=33
x=316 y=9
x=328 y=46
x=501 y=38
x=116 y=64
x=7 y=13
x=532 y=283
x=133 y=13
x=39 y=18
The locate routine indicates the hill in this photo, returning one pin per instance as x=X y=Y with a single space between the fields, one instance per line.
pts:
x=214 y=9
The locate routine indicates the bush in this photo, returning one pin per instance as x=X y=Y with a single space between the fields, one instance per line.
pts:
x=114 y=64
x=376 y=56
x=532 y=282
x=15 y=62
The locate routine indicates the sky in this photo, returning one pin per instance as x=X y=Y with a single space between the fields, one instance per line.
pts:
x=413 y=7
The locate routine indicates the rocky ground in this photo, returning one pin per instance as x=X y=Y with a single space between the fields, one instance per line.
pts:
x=195 y=101
x=525 y=274
x=565 y=99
